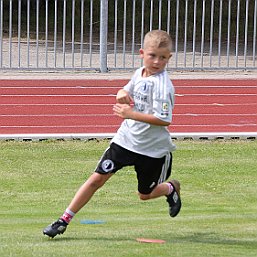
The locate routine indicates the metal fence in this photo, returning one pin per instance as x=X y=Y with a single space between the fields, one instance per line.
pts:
x=106 y=35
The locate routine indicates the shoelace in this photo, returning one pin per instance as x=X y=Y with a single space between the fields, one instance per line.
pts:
x=55 y=223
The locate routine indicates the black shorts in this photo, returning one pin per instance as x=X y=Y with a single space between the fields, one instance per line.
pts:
x=150 y=171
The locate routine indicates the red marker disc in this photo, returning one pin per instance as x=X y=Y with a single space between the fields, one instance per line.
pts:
x=149 y=240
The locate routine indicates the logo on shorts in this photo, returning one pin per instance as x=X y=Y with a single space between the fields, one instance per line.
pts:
x=107 y=165
x=152 y=185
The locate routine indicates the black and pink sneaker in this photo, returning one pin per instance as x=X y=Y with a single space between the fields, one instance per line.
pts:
x=174 y=199
x=56 y=228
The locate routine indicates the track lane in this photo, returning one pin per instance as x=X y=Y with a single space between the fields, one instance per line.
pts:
x=214 y=99
x=55 y=109
x=85 y=106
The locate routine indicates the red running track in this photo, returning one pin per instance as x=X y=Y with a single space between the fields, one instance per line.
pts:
x=85 y=106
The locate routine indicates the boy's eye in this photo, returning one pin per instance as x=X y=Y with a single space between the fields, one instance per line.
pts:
x=162 y=58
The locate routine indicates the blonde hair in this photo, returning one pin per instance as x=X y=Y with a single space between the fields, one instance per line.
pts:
x=158 y=38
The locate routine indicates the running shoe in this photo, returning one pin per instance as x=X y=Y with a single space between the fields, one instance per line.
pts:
x=56 y=228
x=173 y=199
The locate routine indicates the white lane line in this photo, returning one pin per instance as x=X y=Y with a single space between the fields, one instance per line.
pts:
x=108 y=114
x=42 y=95
x=61 y=87
x=117 y=87
x=118 y=125
x=182 y=94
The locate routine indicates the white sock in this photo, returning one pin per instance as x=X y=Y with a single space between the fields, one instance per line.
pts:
x=170 y=188
x=68 y=215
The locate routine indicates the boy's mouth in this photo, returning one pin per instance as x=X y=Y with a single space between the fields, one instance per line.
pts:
x=155 y=68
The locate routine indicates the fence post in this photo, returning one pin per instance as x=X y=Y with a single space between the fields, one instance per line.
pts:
x=103 y=35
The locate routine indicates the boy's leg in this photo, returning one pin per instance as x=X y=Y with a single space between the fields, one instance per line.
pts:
x=87 y=190
x=114 y=158
x=160 y=190
x=83 y=195
x=172 y=192
x=151 y=174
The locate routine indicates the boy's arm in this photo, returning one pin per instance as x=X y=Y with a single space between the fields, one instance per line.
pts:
x=126 y=112
x=123 y=97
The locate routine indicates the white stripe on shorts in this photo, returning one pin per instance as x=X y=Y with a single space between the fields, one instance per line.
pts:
x=164 y=169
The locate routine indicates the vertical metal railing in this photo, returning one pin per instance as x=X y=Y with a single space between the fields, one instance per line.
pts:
x=10 y=34
x=254 y=33
x=1 y=33
x=28 y=35
x=78 y=35
x=103 y=33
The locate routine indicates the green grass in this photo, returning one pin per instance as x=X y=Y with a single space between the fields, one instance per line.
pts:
x=218 y=216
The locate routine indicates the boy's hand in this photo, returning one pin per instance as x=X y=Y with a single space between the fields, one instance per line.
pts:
x=123 y=110
x=123 y=97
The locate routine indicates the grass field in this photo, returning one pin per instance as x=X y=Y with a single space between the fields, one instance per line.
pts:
x=218 y=216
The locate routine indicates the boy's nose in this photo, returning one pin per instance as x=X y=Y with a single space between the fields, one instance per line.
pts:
x=157 y=60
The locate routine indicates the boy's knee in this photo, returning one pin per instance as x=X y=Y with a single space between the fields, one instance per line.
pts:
x=144 y=197
x=97 y=180
x=96 y=184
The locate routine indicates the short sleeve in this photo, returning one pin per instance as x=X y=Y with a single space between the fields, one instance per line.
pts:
x=163 y=99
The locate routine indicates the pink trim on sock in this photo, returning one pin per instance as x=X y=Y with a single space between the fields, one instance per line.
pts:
x=170 y=188
x=67 y=217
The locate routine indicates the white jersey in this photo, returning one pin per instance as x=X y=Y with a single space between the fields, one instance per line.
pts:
x=151 y=95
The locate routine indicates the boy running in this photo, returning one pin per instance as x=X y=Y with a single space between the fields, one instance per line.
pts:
x=143 y=139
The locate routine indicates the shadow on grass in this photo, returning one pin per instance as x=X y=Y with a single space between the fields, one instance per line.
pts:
x=202 y=238
x=212 y=238
x=100 y=238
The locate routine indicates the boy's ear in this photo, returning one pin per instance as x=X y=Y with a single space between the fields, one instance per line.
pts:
x=141 y=52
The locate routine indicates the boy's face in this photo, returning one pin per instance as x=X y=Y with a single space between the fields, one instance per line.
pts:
x=155 y=59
